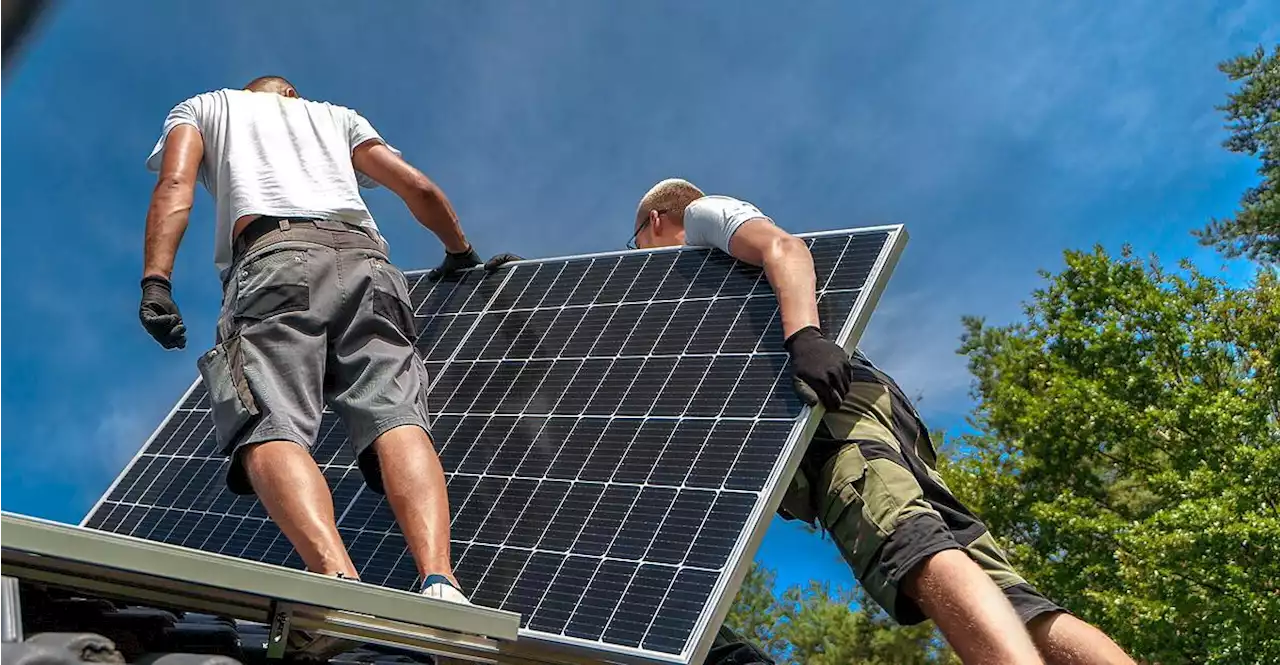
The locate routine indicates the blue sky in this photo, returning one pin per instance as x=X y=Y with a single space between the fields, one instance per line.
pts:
x=999 y=133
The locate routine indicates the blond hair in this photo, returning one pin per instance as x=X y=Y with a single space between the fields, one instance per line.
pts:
x=671 y=195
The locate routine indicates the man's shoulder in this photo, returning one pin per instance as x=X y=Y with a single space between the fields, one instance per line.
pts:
x=201 y=105
x=726 y=207
x=219 y=94
x=331 y=107
x=716 y=202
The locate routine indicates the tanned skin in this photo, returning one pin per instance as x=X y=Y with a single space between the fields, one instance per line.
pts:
x=171 y=200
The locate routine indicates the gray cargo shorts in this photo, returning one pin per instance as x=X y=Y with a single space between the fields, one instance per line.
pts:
x=313 y=313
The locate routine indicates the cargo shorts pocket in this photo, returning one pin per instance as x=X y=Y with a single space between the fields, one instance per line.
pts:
x=797 y=503
x=391 y=298
x=843 y=512
x=272 y=283
x=232 y=403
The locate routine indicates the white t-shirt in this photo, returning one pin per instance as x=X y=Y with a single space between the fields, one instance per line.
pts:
x=711 y=221
x=266 y=154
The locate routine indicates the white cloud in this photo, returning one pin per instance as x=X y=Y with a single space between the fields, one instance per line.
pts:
x=914 y=340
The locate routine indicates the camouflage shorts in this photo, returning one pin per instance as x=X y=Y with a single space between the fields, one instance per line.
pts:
x=870 y=479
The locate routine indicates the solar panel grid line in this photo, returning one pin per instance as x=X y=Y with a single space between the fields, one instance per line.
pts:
x=604 y=558
x=654 y=301
x=776 y=314
x=693 y=394
x=459 y=347
x=715 y=611
x=860 y=314
x=743 y=371
x=690 y=341
x=567 y=553
x=162 y=477
x=520 y=573
x=535 y=611
x=848 y=241
x=649 y=627
x=136 y=507
x=568 y=383
x=459 y=283
x=631 y=578
x=478 y=476
x=166 y=535
x=454 y=353
x=578 y=370
x=646 y=485
x=578 y=534
x=644 y=635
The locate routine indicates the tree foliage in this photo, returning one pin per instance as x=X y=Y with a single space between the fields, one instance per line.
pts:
x=1130 y=455
x=1253 y=115
x=821 y=625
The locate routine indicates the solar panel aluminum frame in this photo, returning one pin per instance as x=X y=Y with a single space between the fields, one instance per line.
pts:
x=575 y=649
x=170 y=576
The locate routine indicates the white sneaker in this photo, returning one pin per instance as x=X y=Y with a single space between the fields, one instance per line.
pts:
x=439 y=587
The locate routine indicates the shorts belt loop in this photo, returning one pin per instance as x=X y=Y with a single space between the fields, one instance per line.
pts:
x=284 y=225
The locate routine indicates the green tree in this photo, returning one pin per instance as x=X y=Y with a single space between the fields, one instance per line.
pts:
x=822 y=625
x=1253 y=115
x=826 y=626
x=1130 y=455
x=755 y=612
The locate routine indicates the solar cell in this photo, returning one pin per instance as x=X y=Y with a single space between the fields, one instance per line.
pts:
x=616 y=431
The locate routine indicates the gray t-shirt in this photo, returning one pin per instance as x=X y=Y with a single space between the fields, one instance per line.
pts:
x=711 y=221
x=266 y=154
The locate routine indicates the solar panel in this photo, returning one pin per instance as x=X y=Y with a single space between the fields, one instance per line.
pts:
x=616 y=430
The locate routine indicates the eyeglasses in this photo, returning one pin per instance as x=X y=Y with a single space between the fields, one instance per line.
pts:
x=631 y=244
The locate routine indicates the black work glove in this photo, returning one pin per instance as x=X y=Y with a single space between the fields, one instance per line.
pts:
x=498 y=260
x=160 y=315
x=822 y=370
x=454 y=264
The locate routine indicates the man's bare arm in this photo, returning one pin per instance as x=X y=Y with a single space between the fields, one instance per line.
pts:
x=425 y=200
x=171 y=200
x=787 y=265
x=822 y=370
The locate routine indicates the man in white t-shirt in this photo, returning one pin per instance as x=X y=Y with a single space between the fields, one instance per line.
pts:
x=868 y=477
x=313 y=311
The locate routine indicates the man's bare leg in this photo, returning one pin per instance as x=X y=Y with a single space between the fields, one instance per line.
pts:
x=1065 y=640
x=414 y=482
x=972 y=612
x=297 y=498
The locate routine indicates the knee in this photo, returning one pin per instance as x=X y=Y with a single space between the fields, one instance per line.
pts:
x=937 y=569
x=1060 y=633
x=272 y=456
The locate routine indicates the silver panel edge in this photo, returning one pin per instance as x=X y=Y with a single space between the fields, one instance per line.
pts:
x=675 y=248
x=164 y=561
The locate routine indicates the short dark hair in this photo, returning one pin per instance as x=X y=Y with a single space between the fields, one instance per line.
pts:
x=269 y=84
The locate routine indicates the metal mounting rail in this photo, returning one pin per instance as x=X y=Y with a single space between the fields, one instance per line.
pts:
x=171 y=577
